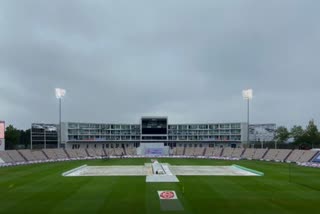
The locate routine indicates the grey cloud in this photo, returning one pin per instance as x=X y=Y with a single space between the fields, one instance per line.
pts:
x=188 y=60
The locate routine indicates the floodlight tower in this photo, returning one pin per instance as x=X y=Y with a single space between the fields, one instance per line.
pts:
x=247 y=95
x=60 y=93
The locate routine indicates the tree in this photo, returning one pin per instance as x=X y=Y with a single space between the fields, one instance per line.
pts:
x=297 y=132
x=282 y=134
x=12 y=137
x=311 y=135
x=25 y=138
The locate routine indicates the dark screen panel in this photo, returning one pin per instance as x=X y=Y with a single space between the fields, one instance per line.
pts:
x=154 y=126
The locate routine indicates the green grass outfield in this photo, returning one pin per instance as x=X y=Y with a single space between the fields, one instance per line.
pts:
x=40 y=188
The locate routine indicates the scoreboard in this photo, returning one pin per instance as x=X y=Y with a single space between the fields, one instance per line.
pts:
x=154 y=126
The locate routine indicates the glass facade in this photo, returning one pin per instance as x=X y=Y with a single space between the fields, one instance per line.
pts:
x=178 y=132
x=205 y=132
x=122 y=133
x=44 y=136
x=102 y=132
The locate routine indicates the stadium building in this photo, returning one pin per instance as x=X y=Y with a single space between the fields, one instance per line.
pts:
x=148 y=130
x=44 y=136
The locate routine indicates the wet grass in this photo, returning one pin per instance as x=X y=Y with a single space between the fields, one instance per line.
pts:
x=40 y=188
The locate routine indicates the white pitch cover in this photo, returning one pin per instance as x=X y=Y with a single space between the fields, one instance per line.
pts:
x=167 y=195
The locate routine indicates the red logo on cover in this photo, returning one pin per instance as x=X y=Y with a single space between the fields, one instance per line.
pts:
x=167 y=195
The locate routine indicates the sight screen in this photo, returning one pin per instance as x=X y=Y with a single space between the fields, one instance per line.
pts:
x=154 y=126
x=2 y=130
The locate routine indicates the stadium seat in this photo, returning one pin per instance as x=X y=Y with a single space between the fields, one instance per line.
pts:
x=5 y=157
x=217 y=152
x=282 y=154
x=27 y=154
x=259 y=154
x=227 y=152
x=209 y=151
x=271 y=155
x=237 y=153
x=15 y=156
x=189 y=151
x=248 y=154
x=295 y=155
x=307 y=156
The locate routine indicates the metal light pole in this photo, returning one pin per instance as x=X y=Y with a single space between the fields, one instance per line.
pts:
x=247 y=95
x=60 y=132
x=248 y=120
x=60 y=93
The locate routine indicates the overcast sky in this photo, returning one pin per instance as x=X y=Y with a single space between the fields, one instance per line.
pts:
x=188 y=60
